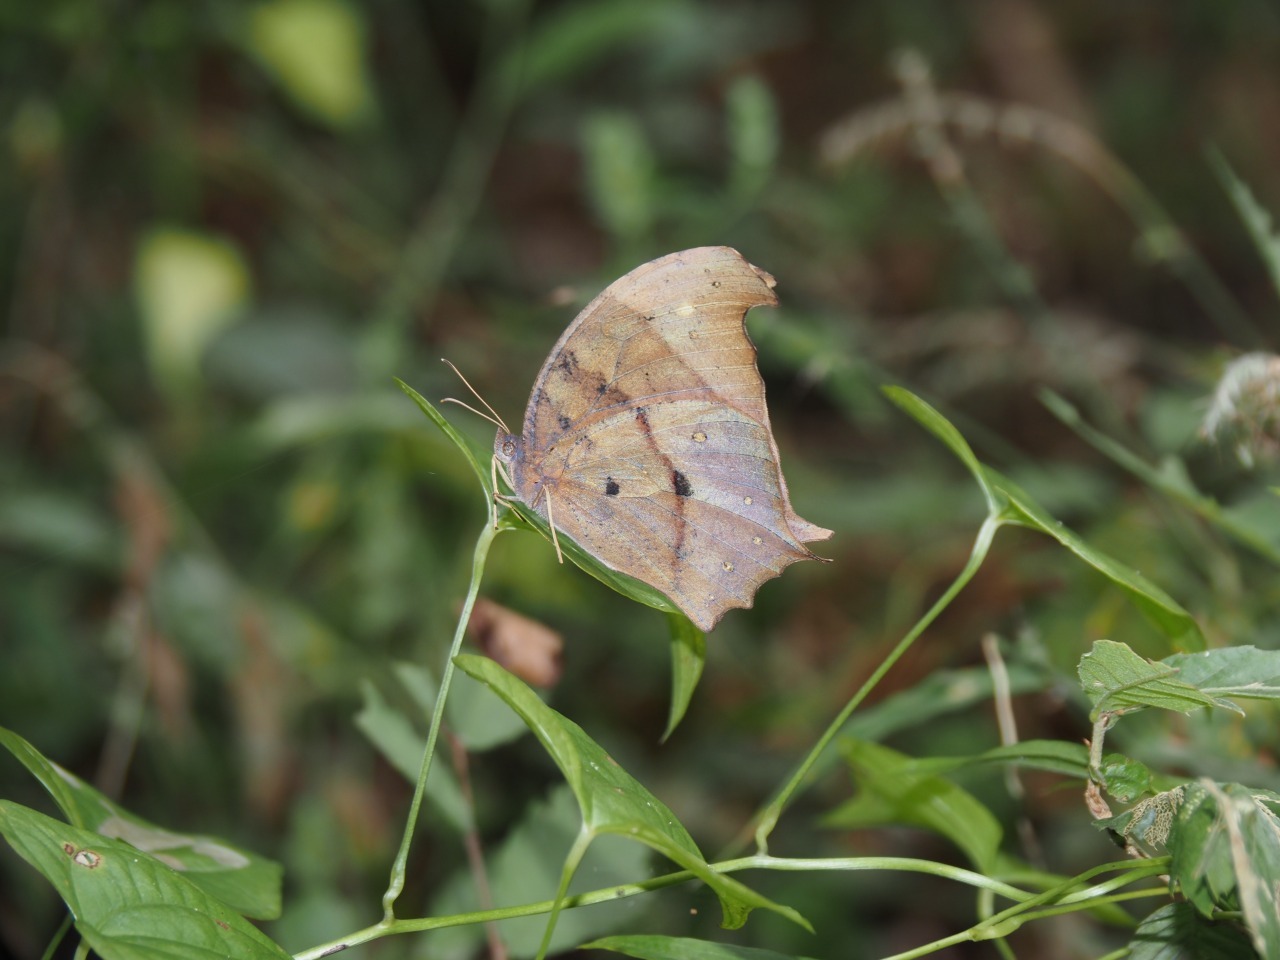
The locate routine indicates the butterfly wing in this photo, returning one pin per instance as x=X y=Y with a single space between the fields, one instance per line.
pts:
x=647 y=428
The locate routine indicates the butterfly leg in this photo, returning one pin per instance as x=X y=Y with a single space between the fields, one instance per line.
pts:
x=551 y=522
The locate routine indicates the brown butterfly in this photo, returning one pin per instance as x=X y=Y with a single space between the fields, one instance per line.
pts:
x=646 y=437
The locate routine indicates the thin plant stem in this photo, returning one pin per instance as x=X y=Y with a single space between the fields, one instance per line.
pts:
x=387 y=928
x=767 y=819
x=396 y=884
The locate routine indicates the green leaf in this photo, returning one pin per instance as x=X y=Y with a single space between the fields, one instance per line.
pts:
x=127 y=905
x=397 y=739
x=681 y=948
x=1254 y=832
x=469 y=713
x=1257 y=219
x=610 y=799
x=1165 y=612
x=941 y=427
x=1125 y=779
x=1244 y=672
x=891 y=790
x=484 y=475
x=1055 y=756
x=1012 y=504
x=688 y=656
x=1178 y=932
x=1225 y=851
x=246 y=882
x=1117 y=680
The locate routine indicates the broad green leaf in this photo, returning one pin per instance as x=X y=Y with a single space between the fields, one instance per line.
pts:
x=1254 y=833
x=1257 y=219
x=1177 y=931
x=1226 y=855
x=1199 y=848
x=525 y=868
x=248 y=883
x=681 y=948
x=1012 y=504
x=688 y=656
x=1244 y=672
x=1165 y=612
x=127 y=905
x=890 y=790
x=397 y=739
x=1171 y=480
x=1117 y=680
x=610 y=799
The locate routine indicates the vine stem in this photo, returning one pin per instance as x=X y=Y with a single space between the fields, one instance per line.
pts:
x=1069 y=895
x=767 y=819
x=396 y=884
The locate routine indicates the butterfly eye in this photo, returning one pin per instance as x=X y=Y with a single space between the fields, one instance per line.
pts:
x=508 y=448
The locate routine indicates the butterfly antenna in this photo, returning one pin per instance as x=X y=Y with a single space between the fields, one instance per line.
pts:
x=493 y=414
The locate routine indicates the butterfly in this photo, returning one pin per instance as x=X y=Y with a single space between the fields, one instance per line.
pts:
x=647 y=441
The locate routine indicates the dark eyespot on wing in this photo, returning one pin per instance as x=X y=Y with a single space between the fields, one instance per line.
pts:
x=611 y=487
x=564 y=422
x=680 y=484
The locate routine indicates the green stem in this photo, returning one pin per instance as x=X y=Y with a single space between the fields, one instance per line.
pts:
x=1063 y=896
x=387 y=928
x=571 y=862
x=767 y=819
x=396 y=884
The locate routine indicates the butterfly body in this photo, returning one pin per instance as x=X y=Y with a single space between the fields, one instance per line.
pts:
x=646 y=437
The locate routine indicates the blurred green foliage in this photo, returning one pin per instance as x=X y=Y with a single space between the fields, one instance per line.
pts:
x=224 y=228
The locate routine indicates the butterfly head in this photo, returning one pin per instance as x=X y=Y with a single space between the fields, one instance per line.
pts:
x=507 y=447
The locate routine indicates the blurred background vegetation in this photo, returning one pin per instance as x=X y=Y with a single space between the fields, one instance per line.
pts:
x=224 y=227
